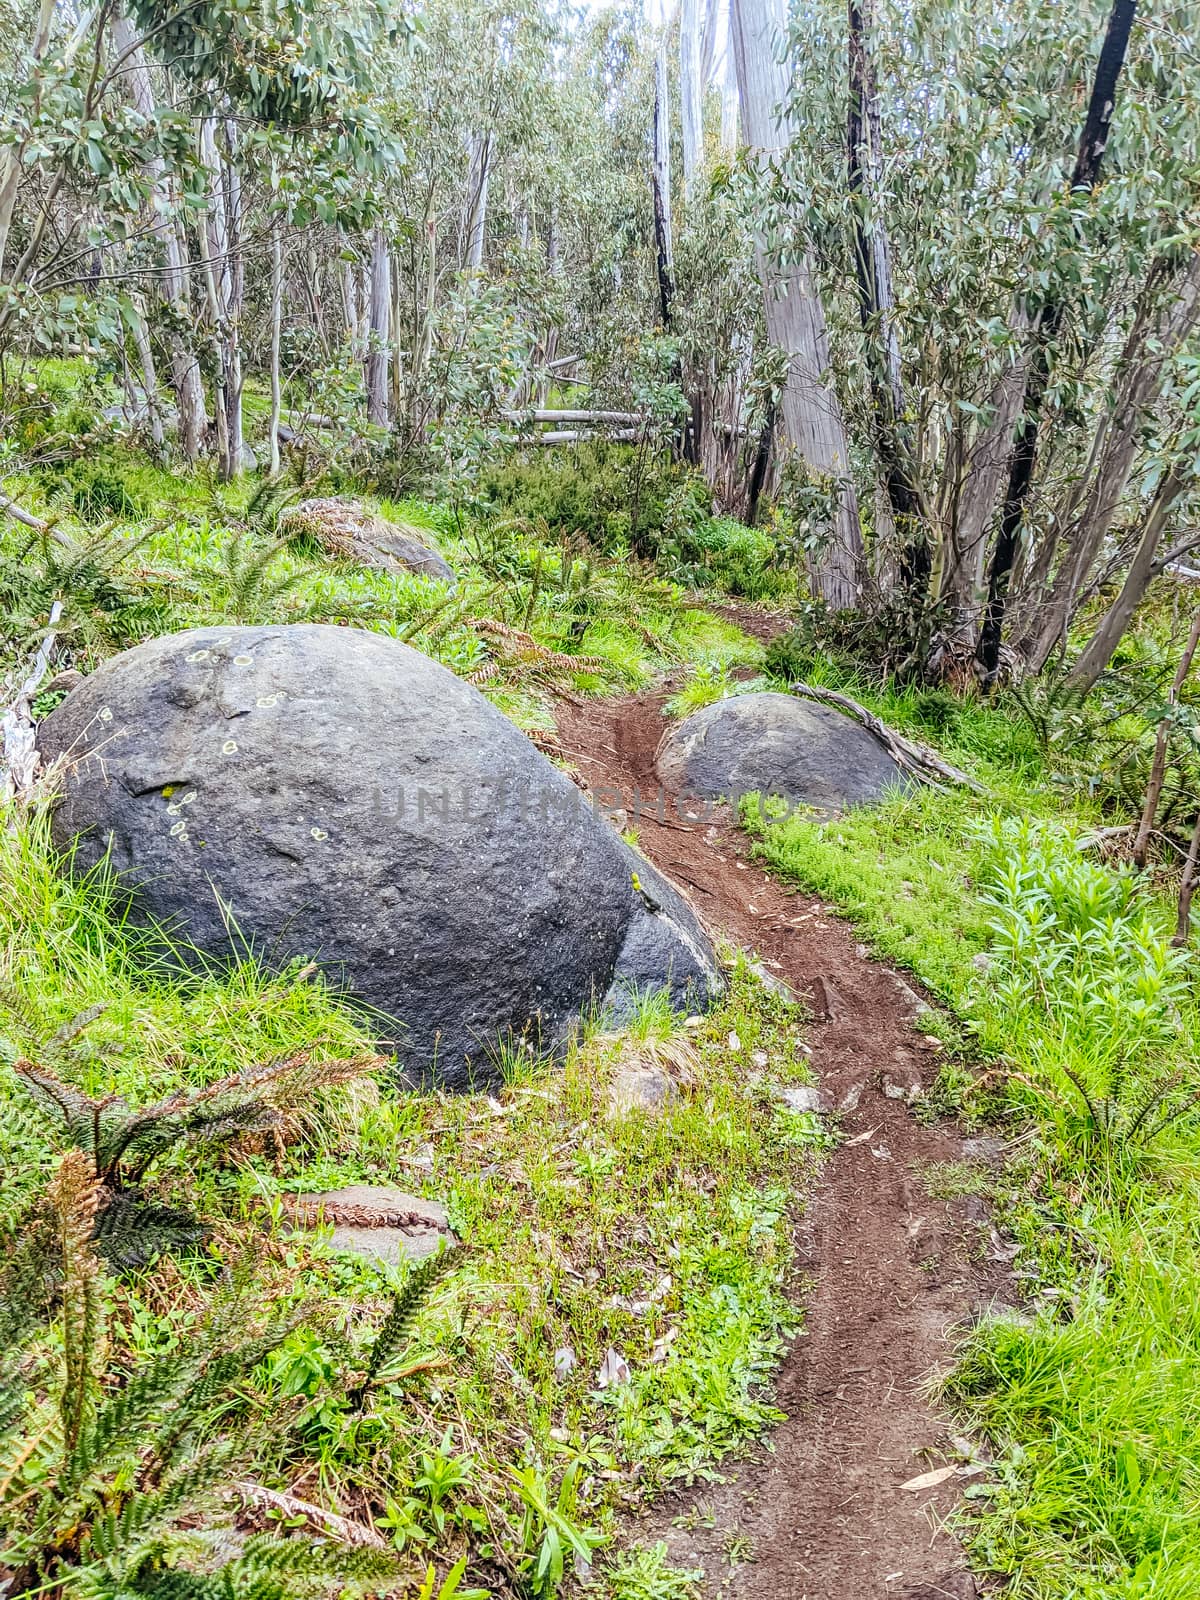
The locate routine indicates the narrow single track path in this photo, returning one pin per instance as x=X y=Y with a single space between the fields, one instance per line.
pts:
x=886 y=1269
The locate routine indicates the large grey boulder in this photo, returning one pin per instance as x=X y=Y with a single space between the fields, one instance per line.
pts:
x=319 y=792
x=776 y=744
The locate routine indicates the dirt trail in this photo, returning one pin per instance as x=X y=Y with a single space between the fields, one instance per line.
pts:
x=821 y=1514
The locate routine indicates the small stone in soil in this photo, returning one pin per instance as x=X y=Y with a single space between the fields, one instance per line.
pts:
x=986 y=1148
x=640 y=1088
x=805 y=1097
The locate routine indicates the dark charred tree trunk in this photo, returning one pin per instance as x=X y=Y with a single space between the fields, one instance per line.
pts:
x=876 y=305
x=758 y=473
x=664 y=255
x=1088 y=164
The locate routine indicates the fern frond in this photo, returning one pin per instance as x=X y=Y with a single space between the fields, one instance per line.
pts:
x=73 y=1199
x=124 y=1416
x=267 y=1555
x=132 y=1232
x=31 y=1282
x=118 y=1532
x=407 y=1305
x=169 y=1584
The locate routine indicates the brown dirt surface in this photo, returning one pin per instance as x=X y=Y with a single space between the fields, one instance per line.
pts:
x=886 y=1270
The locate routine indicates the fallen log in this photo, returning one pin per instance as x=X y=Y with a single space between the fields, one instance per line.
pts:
x=917 y=759
x=575 y=436
x=631 y=418
x=27 y=519
x=19 y=761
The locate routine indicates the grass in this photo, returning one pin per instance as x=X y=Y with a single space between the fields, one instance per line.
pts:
x=1056 y=970
x=166 y=551
x=663 y=1238
x=647 y=1249
x=652 y=1249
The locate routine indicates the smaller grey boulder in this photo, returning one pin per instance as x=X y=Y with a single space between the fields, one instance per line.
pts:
x=347 y=530
x=776 y=744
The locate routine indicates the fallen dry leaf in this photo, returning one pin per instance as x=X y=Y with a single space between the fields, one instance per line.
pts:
x=613 y=1369
x=661 y=1347
x=861 y=1138
x=929 y=1480
x=564 y=1360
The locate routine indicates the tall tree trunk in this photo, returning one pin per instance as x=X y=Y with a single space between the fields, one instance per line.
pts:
x=379 y=346
x=10 y=162
x=396 y=386
x=708 y=43
x=424 y=352
x=234 y=289
x=729 y=118
x=1187 y=890
x=477 y=200
x=760 y=468
x=1086 y=175
x=350 y=306
x=186 y=379
x=364 y=306
x=145 y=350
x=1153 y=341
x=212 y=295
x=1142 y=569
x=690 y=95
x=876 y=305
x=963 y=586
x=221 y=249
x=664 y=250
x=276 y=338
x=811 y=418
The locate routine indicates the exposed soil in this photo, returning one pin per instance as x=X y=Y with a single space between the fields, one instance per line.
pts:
x=888 y=1269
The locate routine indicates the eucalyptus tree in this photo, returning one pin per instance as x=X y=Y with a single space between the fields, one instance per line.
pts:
x=812 y=420
x=1046 y=310
x=1003 y=326
x=128 y=154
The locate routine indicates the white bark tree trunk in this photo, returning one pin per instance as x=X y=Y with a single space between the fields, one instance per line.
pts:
x=186 y=379
x=379 y=347
x=1151 y=345
x=812 y=422
x=708 y=43
x=1102 y=646
x=145 y=350
x=477 y=200
x=350 y=304
x=221 y=248
x=276 y=338
x=964 y=579
x=10 y=167
x=690 y=95
x=729 y=117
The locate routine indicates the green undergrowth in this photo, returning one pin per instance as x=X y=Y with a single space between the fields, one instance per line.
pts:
x=151 y=552
x=1072 y=1028
x=612 y=1324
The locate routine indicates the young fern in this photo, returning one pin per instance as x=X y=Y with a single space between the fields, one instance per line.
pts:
x=121 y=1142
x=397 y=1329
x=108 y=1477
